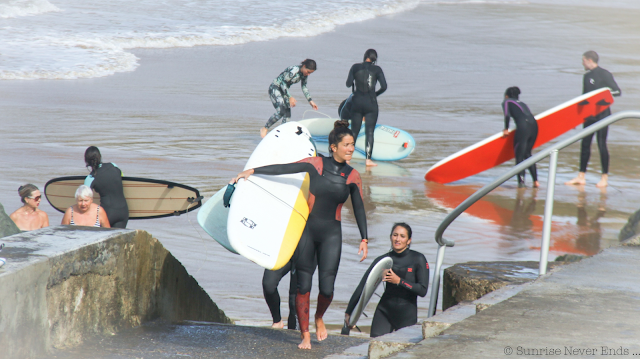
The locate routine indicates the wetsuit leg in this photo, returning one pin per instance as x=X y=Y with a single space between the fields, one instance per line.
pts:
x=283 y=112
x=531 y=140
x=328 y=254
x=270 y=281
x=601 y=137
x=293 y=282
x=356 y=123
x=520 y=149
x=303 y=259
x=119 y=224
x=370 y=125
x=380 y=324
x=118 y=217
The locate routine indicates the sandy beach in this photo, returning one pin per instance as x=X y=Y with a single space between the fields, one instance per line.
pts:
x=192 y=115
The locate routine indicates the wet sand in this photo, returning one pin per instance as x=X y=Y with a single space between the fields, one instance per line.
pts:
x=192 y=116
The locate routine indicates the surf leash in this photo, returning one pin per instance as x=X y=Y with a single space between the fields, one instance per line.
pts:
x=285 y=203
x=324 y=114
x=204 y=243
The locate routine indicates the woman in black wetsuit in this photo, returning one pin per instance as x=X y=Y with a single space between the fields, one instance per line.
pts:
x=405 y=281
x=364 y=104
x=332 y=181
x=526 y=130
x=106 y=179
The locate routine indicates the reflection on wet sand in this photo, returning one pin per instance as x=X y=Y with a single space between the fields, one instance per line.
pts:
x=520 y=226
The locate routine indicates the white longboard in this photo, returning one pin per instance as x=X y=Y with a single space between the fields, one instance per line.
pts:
x=373 y=281
x=390 y=143
x=213 y=217
x=269 y=213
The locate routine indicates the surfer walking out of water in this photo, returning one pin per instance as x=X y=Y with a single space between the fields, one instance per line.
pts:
x=526 y=130
x=106 y=179
x=405 y=281
x=29 y=216
x=595 y=78
x=281 y=97
x=332 y=181
x=363 y=78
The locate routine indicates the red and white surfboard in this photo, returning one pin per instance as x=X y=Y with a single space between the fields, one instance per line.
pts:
x=496 y=149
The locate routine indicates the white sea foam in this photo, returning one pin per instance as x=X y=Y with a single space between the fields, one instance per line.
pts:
x=90 y=38
x=16 y=8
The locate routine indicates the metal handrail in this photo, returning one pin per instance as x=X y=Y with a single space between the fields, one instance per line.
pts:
x=443 y=243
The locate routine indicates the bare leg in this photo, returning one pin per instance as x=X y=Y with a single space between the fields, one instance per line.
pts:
x=278 y=325
x=580 y=180
x=604 y=181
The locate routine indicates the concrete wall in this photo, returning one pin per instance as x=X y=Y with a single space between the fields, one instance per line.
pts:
x=62 y=283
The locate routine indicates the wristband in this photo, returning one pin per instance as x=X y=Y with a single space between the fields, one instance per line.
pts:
x=365 y=241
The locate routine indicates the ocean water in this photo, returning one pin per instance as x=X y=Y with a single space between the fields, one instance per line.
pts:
x=129 y=78
x=70 y=39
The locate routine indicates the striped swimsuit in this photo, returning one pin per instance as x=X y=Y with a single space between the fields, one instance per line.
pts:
x=97 y=224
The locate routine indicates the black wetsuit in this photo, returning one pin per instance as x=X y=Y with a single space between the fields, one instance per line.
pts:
x=107 y=181
x=398 y=307
x=331 y=183
x=526 y=132
x=270 y=281
x=593 y=80
x=364 y=76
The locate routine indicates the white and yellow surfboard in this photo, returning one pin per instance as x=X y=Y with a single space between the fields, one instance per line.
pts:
x=269 y=213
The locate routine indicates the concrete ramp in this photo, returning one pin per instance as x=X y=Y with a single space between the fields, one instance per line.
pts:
x=63 y=283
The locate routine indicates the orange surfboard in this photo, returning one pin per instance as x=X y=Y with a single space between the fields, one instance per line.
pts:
x=496 y=149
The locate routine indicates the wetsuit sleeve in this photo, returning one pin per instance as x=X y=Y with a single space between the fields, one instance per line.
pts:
x=88 y=181
x=383 y=83
x=422 y=276
x=355 y=186
x=351 y=77
x=305 y=91
x=507 y=114
x=611 y=83
x=358 y=292
x=274 y=170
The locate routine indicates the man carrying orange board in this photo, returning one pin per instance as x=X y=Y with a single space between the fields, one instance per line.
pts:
x=595 y=78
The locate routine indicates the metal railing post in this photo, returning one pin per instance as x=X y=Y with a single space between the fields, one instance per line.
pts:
x=435 y=285
x=548 y=213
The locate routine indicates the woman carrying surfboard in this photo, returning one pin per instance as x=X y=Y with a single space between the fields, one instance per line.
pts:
x=526 y=130
x=363 y=77
x=332 y=181
x=106 y=179
x=281 y=97
x=407 y=279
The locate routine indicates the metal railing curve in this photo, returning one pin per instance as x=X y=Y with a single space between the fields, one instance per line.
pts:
x=551 y=151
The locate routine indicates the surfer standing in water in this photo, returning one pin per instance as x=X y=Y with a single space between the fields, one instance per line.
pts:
x=106 y=179
x=281 y=97
x=595 y=78
x=526 y=131
x=405 y=281
x=363 y=78
x=332 y=180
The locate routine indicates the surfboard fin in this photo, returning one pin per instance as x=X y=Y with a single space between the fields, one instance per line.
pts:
x=226 y=199
x=345 y=330
x=195 y=199
x=603 y=103
x=583 y=103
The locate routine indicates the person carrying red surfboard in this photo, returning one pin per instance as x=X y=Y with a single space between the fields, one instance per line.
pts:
x=595 y=78
x=526 y=130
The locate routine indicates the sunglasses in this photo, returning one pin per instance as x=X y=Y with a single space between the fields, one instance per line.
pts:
x=36 y=198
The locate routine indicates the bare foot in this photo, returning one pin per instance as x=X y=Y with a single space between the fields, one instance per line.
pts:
x=536 y=184
x=370 y=163
x=321 y=330
x=603 y=181
x=306 y=341
x=578 y=180
x=278 y=325
x=263 y=132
